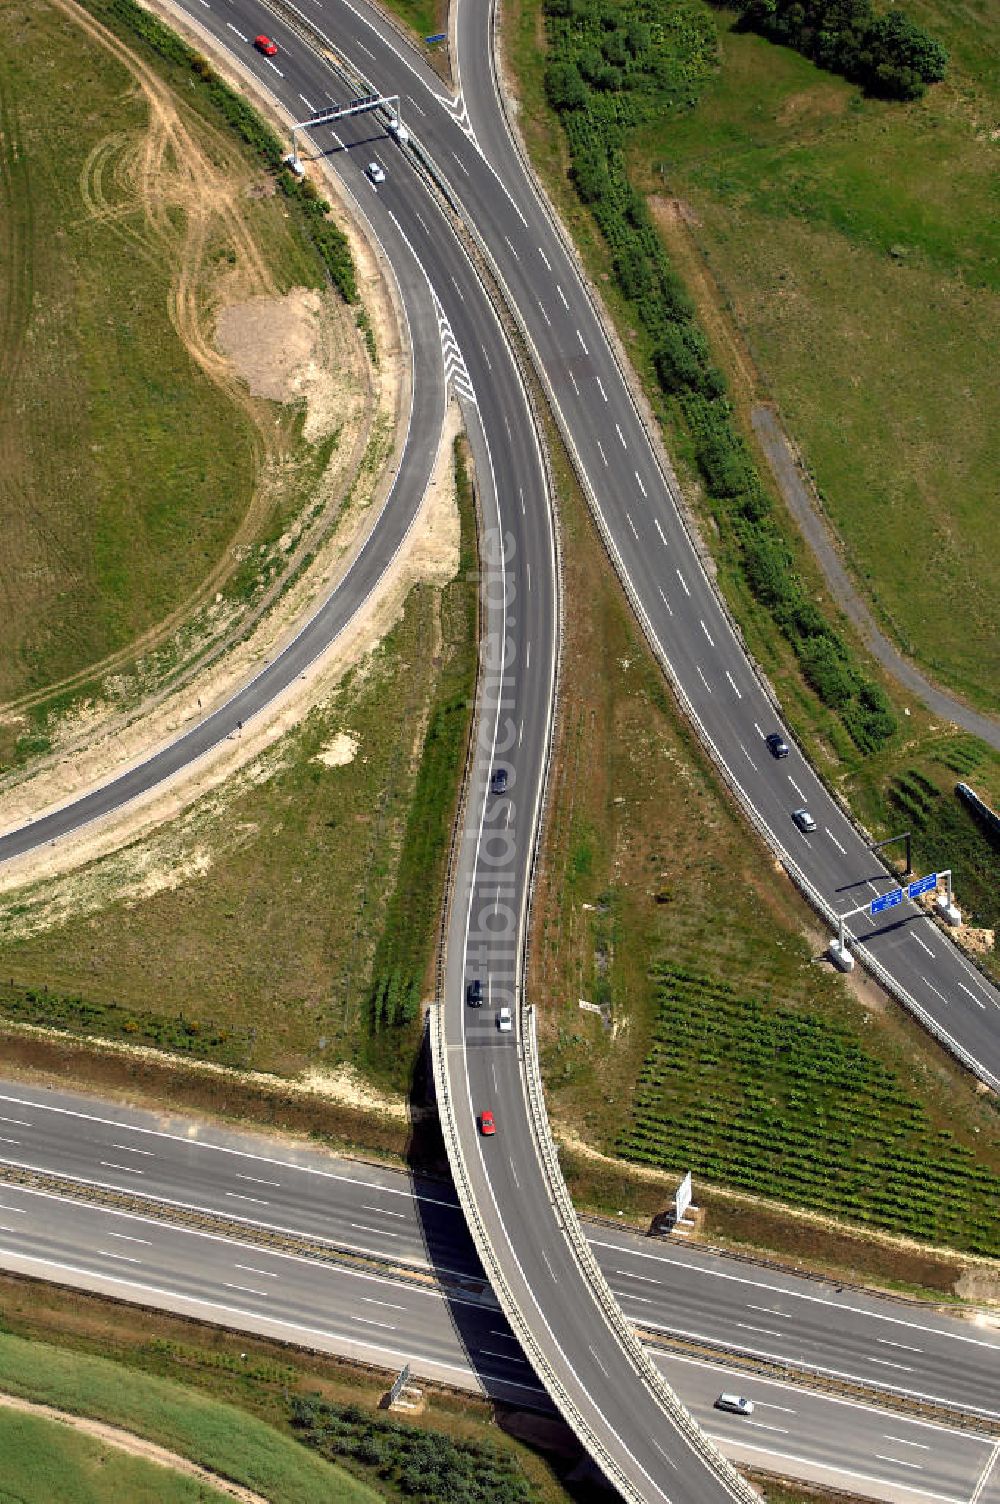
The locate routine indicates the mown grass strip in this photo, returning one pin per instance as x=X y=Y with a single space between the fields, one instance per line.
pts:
x=226 y=1440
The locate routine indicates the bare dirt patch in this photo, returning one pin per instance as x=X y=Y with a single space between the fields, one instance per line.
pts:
x=339 y=750
x=289 y=350
x=136 y=1446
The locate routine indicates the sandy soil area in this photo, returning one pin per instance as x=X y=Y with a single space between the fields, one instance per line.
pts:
x=137 y=1446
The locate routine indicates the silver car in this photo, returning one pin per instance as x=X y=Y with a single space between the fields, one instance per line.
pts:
x=736 y=1404
x=803 y=819
x=375 y=172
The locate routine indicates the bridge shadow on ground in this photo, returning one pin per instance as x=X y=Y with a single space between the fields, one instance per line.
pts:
x=519 y=1404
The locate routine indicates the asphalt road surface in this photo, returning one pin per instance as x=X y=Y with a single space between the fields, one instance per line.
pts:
x=463 y=1340
x=662 y=1286
x=678 y=606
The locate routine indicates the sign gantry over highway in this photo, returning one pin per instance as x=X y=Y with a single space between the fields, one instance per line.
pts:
x=913 y=890
x=838 y=949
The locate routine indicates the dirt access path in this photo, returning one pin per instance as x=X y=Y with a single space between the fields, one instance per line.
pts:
x=137 y=1446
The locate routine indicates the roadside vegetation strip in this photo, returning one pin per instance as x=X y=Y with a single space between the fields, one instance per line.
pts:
x=609 y=69
x=852 y=244
x=263 y=1377
x=422 y=1466
x=780 y=1101
x=730 y=186
x=406 y=952
x=219 y=1437
x=367 y=781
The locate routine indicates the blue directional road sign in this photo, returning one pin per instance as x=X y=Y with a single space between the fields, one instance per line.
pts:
x=439 y=36
x=887 y=901
x=923 y=885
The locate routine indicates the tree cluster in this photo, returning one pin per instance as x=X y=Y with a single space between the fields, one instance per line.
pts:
x=888 y=55
x=423 y=1466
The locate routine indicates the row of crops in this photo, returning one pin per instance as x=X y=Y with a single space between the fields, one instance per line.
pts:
x=748 y=1093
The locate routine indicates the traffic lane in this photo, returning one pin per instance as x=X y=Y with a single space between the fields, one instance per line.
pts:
x=564 y=1313
x=828 y=875
x=909 y=1363
x=961 y=1000
x=147 y=1261
x=830 y=1440
x=831 y=875
x=975 y=1035
x=848 y=1333
x=509 y=1192
x=388 y=530
x=512 y=1197
x=397 y=1322
x=275 y=1185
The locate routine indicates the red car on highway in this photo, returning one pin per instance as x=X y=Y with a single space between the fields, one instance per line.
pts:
x=266 y=46
x=487 y=1126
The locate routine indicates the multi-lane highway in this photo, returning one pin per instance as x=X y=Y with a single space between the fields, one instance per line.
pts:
x=520 y=1225
x=452 y=1330
x=285 y=1187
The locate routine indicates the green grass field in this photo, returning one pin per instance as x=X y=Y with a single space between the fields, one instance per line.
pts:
x=262 y=953
x=126 y=466
x=855 y=244
x=45 y=1463
x=217 y=1436
x=425 y=17
x=454 y=1448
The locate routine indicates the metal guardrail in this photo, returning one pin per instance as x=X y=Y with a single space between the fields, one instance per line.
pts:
x=623 y=1329
x=888 y=1397
x=327 y=1251
x=498 y=1279
x=724 y=1470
